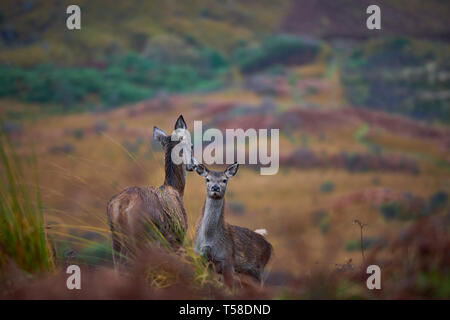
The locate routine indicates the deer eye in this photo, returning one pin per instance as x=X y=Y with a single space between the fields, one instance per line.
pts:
x=207 y=180
x=224 y=181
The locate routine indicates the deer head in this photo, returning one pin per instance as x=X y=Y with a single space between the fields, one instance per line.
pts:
x=216 y=181
x=168 y=142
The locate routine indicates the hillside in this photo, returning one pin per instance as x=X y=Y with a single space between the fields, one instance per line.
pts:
x=344 y=19
x=337 y=165
x=364 y=134
x=35 y=31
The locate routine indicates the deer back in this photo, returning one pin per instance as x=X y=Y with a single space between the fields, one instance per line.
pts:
x=147 y=213
x=251 y=250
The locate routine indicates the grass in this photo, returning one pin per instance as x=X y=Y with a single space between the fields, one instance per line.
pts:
x=23 y=239
x=25 y=243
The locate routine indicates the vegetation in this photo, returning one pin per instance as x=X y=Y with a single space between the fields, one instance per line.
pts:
x=128 y=79
x=134 y=77
x=280 y=49
x=23 y=239
x=400 y=75
x=327 y=186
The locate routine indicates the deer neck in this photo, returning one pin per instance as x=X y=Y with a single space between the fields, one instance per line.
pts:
x=212 y=223
x=175 y=174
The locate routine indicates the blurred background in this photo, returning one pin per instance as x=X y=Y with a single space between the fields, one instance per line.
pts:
x=363 y=116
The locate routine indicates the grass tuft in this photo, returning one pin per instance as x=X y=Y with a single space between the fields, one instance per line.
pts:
x=23 y=239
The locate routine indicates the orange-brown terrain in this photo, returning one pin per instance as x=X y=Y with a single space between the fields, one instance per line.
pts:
x=346 y=159
x=308 y=208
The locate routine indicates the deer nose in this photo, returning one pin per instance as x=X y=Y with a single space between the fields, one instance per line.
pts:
x=215 y=188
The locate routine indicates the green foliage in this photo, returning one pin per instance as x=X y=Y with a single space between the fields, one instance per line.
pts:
x=361 y=135
x=327 y=186
x=324 y=224
x=97 y=253
x=434 y=282
x=355 y=245
x=78 y=134
x=400 y=75
x=438 y=201
x=125 y=79
x=414 y=208
x=275 y=50
x=114 y=93
x=321 y=219
x=176 y=77
x=393 y=210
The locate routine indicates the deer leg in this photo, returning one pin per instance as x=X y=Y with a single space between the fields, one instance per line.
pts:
x=122 y=252
x=227 y=272
x=122 y=258
x=116 y=250
x=255 y=274
x=207 y=253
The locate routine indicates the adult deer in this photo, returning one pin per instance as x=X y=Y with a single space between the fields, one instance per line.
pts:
x=138 y=216
x=230 y=248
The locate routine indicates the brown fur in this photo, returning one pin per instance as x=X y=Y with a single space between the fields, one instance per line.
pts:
x=138 y=216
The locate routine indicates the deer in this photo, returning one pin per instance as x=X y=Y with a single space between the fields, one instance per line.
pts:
x=138 y=216
x=229 y=248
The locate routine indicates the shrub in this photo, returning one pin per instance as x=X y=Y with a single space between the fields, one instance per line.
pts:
x=391 y=210
x=78 y=134
x=285 y=49
x=236 y=207
x=176 y=77
x=410 y=208
x=8 y=78
x=321 y=219
x=437 y=201
x=212 y=59
x=399 y=75
x=116 y=93
x=125 y=79
x=327 y=186
x=367 y=243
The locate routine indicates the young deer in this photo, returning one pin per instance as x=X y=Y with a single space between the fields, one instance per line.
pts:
x=139 y=215
x=230 y=248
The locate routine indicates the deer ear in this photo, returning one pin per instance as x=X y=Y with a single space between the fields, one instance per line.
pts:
x=231 y=170
x=180 y=124
x=201 y=170
x=159 y=135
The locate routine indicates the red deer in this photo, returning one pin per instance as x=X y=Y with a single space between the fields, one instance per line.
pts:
x=230 y=248
x=138 y=216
